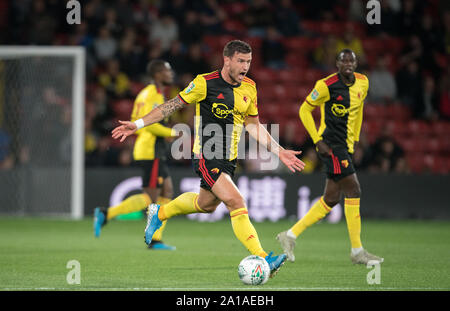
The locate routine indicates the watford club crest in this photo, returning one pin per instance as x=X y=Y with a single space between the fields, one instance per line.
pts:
x=344 y=163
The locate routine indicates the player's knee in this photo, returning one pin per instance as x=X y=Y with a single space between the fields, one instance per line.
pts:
x=331 y=200
x=209 y=209
x=354 y=192
x=234 y=203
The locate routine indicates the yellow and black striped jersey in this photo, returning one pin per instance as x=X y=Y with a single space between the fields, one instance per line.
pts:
x=221 y=109
x=341 y=108
x=150 y=143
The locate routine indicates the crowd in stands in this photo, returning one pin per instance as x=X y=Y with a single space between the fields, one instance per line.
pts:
x=406 y=58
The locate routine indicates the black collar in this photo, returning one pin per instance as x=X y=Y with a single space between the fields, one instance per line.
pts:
x=228 y=84
x=349 y=85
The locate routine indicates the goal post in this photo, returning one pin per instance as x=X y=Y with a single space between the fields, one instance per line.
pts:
x=42 y=110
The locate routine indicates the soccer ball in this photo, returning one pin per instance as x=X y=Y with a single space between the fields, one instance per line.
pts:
x=254 y=270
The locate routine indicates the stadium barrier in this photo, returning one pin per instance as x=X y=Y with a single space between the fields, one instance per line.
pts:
x=276 y=196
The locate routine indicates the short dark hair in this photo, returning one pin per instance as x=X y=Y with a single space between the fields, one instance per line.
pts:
x=236 y=46
x=345 y=51
x=155 y=66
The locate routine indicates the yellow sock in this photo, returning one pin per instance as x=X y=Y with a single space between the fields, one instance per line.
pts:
x=353 y=221
x=185 y=203
x=318 y=211
x=157 y=236
x=245 y=232
x=134 y=203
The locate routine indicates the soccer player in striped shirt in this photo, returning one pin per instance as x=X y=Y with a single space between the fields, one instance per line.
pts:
x=224 y=99
x=149 y=153
x=340 y=98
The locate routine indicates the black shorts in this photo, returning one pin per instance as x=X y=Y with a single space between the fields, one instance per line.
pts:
x=210 y=170
x=153 y=172
x=339 y=165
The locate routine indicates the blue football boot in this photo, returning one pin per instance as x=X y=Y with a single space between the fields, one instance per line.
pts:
x=159 y=245
x=275 y=262
x=99 y=220
x=153 y=222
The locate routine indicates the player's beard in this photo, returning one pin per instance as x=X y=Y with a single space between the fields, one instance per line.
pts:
x=234 y=76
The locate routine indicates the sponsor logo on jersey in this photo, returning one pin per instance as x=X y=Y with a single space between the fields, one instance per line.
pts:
x=339 y=110
x=222 y=111
x=314 y=94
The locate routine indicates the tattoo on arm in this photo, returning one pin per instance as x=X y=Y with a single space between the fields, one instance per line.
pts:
x=170 y=106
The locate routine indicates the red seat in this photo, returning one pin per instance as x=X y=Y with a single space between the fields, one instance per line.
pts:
x=234 y=26
x=409 y=145
x=262 y=75
x=433 y=145
x=393 y=45
x=440 y=166
x=297 y=44
x=266 y=93
x=312 y=75
x=303 y=92
x=373 y=45
x=416 y=163
x=374 y=111
x=136 y=87
x=255 y=43
x=123 y=108
x=417 y=127
x=398 y=112
x=289 y=76
x=440 y=128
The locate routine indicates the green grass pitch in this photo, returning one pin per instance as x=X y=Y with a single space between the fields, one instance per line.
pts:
x=34 y=253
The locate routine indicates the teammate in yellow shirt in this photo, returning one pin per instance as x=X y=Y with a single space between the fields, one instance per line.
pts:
x=225 y=101
x=340 y=98
x=150 y=153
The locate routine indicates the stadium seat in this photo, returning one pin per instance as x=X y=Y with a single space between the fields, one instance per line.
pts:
x=373 y=45
x=303 y=91
x=262 y=75
x=266 y=93
x=417 y=127
x=289 y=76
x=297 y=61
x=235 y=8
x=255 y=43
x=393 y=45
x=439 y=165
x=398 y=112
x=440 y=128
x=374 y=112
x=433 y=145
x=234 y=26
x=397 y=128
x=136 y=87
x=416 y=163
x=122 y=109
x=300 y=44
x=312 y=75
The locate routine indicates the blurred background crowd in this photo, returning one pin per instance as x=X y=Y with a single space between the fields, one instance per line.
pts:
x=406 y=122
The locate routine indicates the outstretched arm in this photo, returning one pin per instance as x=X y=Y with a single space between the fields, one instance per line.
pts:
x=262 y=136
x=128 y=128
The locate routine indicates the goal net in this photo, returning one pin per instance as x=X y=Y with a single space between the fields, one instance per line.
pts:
x=42 y=131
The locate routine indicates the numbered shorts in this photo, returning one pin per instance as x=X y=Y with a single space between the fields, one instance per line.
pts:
x=210 y=170
x=339 y=165
x=153 y=172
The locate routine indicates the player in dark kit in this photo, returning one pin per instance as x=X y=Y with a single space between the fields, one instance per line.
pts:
x=340 y=98
x=225 y=101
